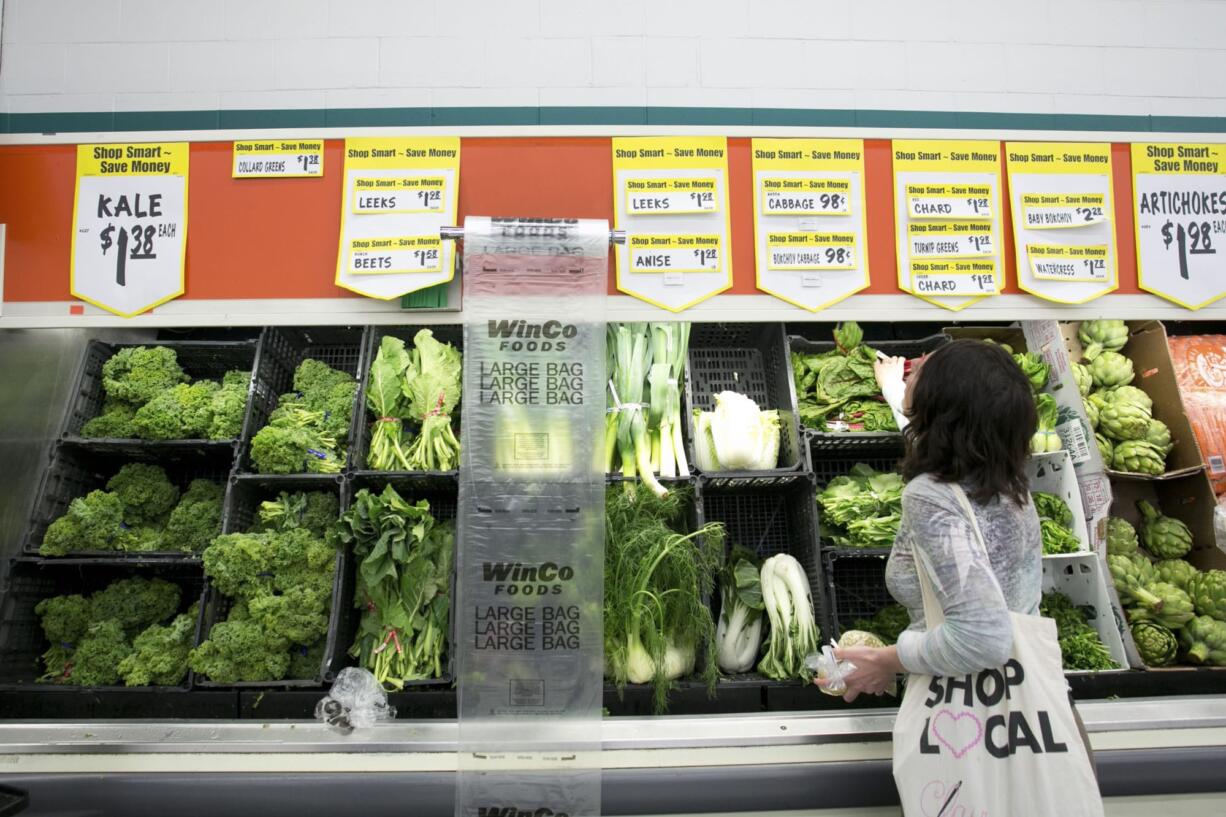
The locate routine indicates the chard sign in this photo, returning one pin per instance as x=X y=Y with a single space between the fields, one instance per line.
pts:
x=531 y=518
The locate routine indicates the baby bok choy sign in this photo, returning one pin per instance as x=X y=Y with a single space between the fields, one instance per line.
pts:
x=531 y=517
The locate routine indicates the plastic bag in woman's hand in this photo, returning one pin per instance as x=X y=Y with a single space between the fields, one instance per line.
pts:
x=356 y=699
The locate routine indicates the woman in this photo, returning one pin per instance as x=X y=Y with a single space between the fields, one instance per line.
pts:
x=985 y=671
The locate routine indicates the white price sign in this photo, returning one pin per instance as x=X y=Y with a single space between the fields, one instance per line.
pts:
x=956 y=239
x=671 y=196
x=671 y=254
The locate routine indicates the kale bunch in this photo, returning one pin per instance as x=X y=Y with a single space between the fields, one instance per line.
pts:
x=308 y=430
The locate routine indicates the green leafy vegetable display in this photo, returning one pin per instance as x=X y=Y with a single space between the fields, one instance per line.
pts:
x=739 y=632
x=387 y=403
x=837 y=390
x=433 y=389
x=793 y=627
x=1045 y=439
x=862 y=509
x=1080 y=644
x=279 y=578
x=887 y=623
x=1055 y=524
x=308 y=430
x=403 y=586
x=657 y=580
x=148 y=397
x=116 y=635
x=141 y=511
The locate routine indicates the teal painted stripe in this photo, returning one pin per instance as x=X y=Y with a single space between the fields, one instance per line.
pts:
x=79 y=122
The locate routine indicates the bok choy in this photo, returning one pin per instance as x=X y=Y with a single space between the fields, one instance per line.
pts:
x=793 y=628
x=739 y=632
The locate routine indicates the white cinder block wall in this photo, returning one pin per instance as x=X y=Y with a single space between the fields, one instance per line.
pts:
x=1136 y=57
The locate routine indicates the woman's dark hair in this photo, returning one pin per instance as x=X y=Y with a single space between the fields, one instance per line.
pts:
x=971 y=418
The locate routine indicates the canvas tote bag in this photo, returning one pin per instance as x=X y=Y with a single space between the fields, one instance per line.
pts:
x=997 y=743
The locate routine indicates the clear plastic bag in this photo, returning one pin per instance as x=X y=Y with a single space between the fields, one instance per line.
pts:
x=829 y=670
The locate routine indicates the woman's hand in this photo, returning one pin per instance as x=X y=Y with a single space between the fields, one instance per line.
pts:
x=888 y=370
x=876 y=668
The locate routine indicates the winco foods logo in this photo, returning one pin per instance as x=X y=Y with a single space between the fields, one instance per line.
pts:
x=515 y=579
x=549 y=336
x=511 y=811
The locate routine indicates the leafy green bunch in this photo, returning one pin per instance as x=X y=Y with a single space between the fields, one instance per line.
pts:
x=141 y=511
x=840 y=385
x=863 y=508
x=403 y=586
x=117 y=635
x=1080 y=644
x=149 y=397
x=1055 y=524
x=887 y=623
x=309 y=429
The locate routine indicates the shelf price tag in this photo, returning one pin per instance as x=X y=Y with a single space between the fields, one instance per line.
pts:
x=1065 y=262
x=670 y=195
x=397 y=193
x=1063 y=219
x=1179 y=208
x=947 y=206
x=809 y=219
x=278 y=159
x=129 y=225
x=387 y=256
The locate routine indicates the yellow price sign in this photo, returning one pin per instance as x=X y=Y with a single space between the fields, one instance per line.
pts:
x=949 y=201
x=811 y=251
x=661 y=197
x=653 y=253
x=954 y=278
x=399 y=194
x=278 y=159
x=1055 y=211
x=806 y=197
x=397 y=254
x=951 y=239
x=1067 y=262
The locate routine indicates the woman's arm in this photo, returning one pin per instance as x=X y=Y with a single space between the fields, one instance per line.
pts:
x=977 y=632
x=889 y=372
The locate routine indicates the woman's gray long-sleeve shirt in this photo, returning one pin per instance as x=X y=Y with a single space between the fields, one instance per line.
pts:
x=976 y=590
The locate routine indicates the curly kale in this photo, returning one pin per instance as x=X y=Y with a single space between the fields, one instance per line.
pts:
x=145 y=491
x=93 y=522
x=196 y=520
x=96 y=660
x=140 y=539
x=229 y=405
x=159 y=654
x=304 y=662
x=297 y=614
x=307 y=431
x=136 y=602
x=247 y=565
x=114 y=422
x=184 y=412
x=137 y=374
x=241 y=650
x=64 y=619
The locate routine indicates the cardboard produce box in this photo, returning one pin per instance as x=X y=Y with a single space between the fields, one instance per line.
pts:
x=1189 y=499
x=1155 y=375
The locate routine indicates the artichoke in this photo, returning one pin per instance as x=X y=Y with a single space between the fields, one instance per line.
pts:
x=1138 y=457
x=1121 y=537
x=1092 y=411
x=1163 y=536
x=1204 y=641
x=1111 y=369
x=1208 y=592
x=1158 y=435
x=1170 y=606
x=1156 y=644
x=1095 y=336
x=1176 y=572
x=1131 y=574
x=1105 y=448
x=1131 y=395
x=1081 y=374
x=1123 y=421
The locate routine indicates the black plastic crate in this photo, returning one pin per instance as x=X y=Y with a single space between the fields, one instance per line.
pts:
x=201 y=360
x=771 y=519
x=22 y=641
x=243 y=499
x=855 y=585
x=363 y=422
x=281 y=350
x=75 y=472
x=443 y=504
x=846 y=441
x=751 y=359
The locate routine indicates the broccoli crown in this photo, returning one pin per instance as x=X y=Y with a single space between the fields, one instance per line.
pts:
x=135 y=602
x=196 y=520
x=159 y=654
x=115 y=421
x=97 y=658
x=241 y=650
x=229 y=404
x=137 y=374
x=64 y=618
x=145 y=491
x=184 y=412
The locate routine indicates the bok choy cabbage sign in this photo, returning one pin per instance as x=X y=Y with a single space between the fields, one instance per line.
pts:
x=129 y=220
x=1179 y=203
x=809 y=219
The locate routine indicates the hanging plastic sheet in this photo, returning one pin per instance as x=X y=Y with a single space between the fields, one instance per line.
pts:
x=531 y=518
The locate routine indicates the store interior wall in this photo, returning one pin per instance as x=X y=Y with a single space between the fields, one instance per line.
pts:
x=1124 y=57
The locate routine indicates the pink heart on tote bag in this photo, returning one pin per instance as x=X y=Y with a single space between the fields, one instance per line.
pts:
x=960 y=733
